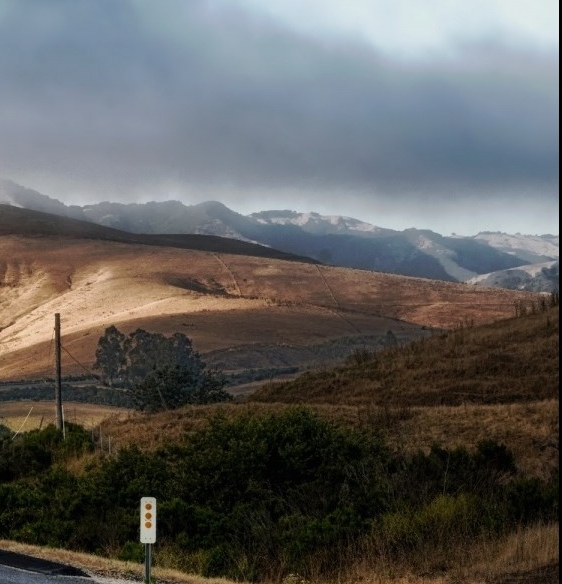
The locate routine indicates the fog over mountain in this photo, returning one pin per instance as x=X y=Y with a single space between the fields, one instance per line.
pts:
x=439 y=115
x=482 y=259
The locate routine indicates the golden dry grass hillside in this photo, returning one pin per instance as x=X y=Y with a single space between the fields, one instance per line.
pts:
x=232 y=303
x=510 y=361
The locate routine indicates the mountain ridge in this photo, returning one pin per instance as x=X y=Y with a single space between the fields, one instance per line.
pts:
x=17 y=221
x=329 y=239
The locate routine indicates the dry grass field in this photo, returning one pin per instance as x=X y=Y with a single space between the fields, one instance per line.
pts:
x=511 y=361
x=24 y=416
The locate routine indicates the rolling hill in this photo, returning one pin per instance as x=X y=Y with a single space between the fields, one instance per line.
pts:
x=17 y=221
x=267 y=312
x=495 y=381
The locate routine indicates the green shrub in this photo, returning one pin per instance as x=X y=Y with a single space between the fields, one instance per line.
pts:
x=442 y=522
x=529 y=499
x=132 y=551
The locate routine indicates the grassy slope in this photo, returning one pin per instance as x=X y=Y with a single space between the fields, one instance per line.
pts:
x=222 y=301
x=510 y=361
x=508 y=372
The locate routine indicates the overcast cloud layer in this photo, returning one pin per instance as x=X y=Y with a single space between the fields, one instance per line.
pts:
x=444 y=119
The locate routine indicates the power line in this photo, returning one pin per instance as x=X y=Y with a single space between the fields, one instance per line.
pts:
x=19 y=429
x=80 y=364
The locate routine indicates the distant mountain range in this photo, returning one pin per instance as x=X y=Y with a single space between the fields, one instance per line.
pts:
x=516 y=261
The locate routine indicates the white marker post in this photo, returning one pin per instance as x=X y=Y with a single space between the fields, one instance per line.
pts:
x=147 y=531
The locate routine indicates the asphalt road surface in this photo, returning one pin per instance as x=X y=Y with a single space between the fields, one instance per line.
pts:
x=21 y=569
x=16 y=576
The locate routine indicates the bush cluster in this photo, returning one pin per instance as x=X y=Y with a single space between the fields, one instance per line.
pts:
x=258 y=498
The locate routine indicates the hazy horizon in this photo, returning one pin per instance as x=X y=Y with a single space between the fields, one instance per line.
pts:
x=264 y=209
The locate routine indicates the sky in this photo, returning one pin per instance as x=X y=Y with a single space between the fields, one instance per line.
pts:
x=434 y=114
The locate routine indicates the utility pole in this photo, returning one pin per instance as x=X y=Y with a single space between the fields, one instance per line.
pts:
x=58 y=385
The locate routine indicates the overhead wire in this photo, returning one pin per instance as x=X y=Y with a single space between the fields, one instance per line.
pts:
x=80 y=364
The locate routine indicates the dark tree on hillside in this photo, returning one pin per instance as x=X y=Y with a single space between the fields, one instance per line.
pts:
x=172 y=387
x=161 y=372
x=147 y=352
x=110 y=355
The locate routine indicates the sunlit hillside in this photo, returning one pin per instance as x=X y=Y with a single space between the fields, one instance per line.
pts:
x=239 y=309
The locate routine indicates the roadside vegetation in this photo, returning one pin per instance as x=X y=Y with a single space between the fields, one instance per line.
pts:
x=430 y=462
x=260 y=498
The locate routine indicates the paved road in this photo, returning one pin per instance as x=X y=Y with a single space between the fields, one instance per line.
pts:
x=16 y=576
x=21 y=569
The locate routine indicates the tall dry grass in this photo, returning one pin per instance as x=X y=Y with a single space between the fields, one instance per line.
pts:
x=511 y=361
x=527 y=556
x=530 y=555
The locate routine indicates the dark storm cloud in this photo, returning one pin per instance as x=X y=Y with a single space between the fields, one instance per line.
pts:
x=134 y=93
